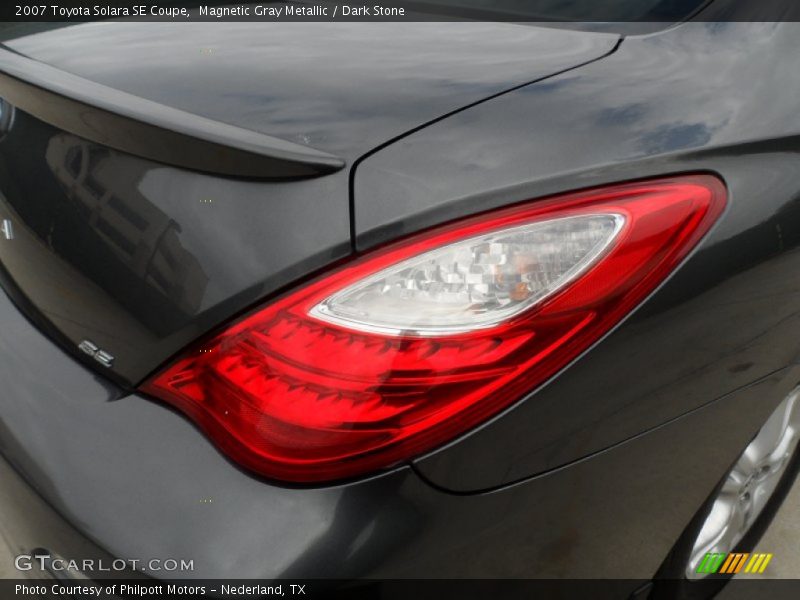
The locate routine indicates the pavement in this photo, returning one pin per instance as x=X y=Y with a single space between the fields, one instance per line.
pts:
x=6 y=560
x=781 y=539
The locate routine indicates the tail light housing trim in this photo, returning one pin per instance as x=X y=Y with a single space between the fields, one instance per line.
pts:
x=302 y=396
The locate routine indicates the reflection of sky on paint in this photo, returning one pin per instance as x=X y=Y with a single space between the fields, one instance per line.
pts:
x=697 y=86
x=326 y=84
x=667 y=137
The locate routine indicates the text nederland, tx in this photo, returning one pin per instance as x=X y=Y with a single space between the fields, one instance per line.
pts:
x=125 y=589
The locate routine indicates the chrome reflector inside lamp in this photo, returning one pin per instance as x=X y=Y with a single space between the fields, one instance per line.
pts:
x=475 y=283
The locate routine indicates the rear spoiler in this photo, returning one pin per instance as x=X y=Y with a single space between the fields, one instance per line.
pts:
x=151 y=130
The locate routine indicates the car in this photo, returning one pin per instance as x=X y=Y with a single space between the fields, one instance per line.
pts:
x=369 y=304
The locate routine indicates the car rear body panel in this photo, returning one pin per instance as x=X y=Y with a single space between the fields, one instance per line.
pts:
x=140 y=482
x=729 y=314
x=633 y=437
x=343 y=88
x=138 y=258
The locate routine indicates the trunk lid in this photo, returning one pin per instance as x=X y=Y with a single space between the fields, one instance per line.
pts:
x=124 y=255
x=340 y=87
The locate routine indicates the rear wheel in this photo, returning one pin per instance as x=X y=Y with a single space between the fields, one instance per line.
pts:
x=739 y=511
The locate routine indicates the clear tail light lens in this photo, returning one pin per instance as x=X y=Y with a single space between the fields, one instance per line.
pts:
x=404 y=348
x=474 y=284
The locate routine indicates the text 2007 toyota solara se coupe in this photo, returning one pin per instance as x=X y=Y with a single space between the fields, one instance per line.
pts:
x=399 y=300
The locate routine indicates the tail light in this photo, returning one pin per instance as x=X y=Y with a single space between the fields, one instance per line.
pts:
x=406 y=347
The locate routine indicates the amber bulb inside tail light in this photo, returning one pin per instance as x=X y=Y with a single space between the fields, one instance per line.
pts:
x=406 y=347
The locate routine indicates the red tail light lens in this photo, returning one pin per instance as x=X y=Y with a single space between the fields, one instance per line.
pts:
x=406 y=347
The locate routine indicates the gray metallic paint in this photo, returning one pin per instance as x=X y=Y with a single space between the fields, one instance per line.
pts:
x=619 y=451
x=141 y=496
x=124 y=122
x=661 y=104
x=240 y=239
x=341 y=87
